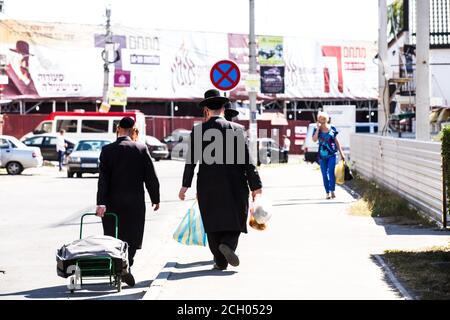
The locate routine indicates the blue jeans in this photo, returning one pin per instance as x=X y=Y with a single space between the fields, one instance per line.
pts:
x=61 y=159
x=329 y=180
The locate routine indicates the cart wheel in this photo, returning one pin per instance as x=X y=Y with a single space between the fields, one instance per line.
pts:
x=119 y=283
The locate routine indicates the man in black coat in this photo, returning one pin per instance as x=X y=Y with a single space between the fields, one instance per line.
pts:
x=125 y=166
x=225 y=174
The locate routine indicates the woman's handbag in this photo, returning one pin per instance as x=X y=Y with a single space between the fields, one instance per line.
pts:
x=191 y=231
x=348 y=175
x=340 y=172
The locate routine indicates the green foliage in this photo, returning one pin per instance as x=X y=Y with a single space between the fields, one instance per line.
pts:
x=446 y=160
x=395 y=18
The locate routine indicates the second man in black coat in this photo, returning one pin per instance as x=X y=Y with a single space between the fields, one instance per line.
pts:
x=226 y=173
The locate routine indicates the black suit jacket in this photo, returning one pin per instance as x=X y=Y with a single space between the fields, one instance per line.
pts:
x=125 y=167
x=223 y=184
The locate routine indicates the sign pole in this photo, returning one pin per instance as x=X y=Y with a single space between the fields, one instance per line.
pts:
x=252 y=95
x=108 y=40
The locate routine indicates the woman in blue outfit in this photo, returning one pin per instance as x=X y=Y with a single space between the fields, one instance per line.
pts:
x=329 y=146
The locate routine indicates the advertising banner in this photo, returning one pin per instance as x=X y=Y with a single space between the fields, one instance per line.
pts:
x=272 y=80
x=59 y=60
x=118 y=96
x=270 y=51
x=122 y=79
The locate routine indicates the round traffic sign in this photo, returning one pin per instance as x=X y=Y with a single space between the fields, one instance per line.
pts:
x=225 y=75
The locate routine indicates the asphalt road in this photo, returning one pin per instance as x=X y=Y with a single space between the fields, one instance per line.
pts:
x=40 y=212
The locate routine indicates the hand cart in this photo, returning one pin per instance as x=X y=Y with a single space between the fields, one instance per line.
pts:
x=96 y=267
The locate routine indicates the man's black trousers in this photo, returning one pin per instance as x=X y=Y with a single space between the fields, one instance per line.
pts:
x=229 y=238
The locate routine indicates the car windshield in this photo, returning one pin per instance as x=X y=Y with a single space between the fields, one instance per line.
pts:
x=17 y=143
x=153 y=141
x=91 y=145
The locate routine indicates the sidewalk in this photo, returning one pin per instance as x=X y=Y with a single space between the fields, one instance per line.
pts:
x=312 y=249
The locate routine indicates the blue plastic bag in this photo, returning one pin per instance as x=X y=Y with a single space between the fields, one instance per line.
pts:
x=191 y=231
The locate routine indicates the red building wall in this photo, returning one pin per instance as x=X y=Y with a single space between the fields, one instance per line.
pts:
x=159 y=127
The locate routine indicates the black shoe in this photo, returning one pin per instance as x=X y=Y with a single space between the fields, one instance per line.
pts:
x=216 y=267
x=129 y=279
x=229 y=254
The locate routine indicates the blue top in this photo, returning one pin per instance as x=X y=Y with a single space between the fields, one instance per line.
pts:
x=327 y=143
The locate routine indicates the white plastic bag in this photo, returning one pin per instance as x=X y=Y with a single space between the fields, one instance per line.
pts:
x=262 y=210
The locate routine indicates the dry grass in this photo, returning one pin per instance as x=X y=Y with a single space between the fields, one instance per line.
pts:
x=379 y=202
x=360 y=208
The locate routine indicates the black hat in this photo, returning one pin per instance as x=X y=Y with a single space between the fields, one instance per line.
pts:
x=213 y=100
x=126 y=123
x=229 y=112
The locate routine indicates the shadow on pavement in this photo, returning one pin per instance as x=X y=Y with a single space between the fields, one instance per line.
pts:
x=386 y=277
x=88 y=291
x=301 y=202
x=391 y=228
x=174 y=276
x=194 y=264
x=394 y=227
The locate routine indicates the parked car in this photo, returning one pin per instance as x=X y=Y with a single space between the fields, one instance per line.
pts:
x=16 y=157
x=158 y=150
x=311 y=148
x=88 y=125
x=177 y=143
x=269 y=151
x=47 y=144
x=85 y=157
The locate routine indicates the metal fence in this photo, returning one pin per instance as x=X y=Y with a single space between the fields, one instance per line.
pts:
x=411 y=168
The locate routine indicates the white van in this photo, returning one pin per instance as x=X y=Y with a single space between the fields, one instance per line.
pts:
x=310 y=147
x=89 y=125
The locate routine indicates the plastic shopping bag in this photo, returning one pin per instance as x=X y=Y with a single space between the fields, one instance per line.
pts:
x=340 y=172
x=260 y=213
x=191 y=231
x=254 y=224
x=262 y=210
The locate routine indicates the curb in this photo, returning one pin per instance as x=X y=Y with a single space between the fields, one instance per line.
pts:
x=156 y=286
x=394 y=279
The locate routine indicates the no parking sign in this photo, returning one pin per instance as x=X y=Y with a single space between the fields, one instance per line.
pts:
x=225 y=75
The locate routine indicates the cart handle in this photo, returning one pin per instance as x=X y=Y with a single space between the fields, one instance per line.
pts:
x=94 y=214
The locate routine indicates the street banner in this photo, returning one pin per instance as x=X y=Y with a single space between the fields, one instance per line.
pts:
x=270 y=51
x=272 y=80
x=61 y=60
x=118 y=96
x=238 y=51
x=330 y=69
x=253 y=83
x=122 y=78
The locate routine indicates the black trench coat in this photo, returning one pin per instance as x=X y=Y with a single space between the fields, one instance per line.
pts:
x=222 y=188
x=125 y=166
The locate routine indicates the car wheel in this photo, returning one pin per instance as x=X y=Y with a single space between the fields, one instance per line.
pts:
x=70 y=174
x=14 y=168
x=157 y=159
x=79 y=175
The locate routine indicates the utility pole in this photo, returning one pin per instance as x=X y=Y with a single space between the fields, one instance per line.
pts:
x=252 y=95
x=383 y=70
x=108 y=42
x=423 y=71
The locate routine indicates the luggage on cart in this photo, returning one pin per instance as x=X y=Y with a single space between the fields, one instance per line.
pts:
x=93 y=257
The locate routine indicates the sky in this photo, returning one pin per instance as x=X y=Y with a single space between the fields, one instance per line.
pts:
x=313 y=19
